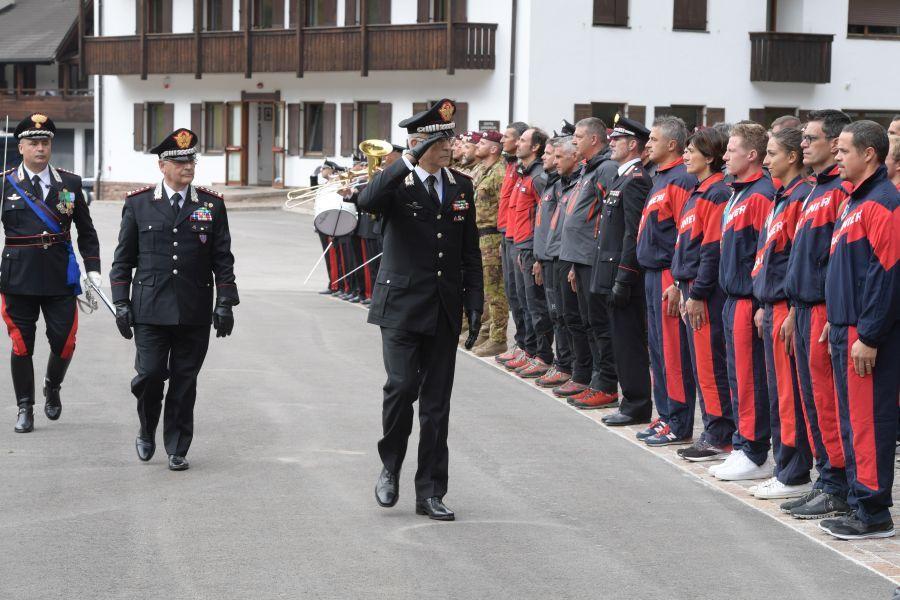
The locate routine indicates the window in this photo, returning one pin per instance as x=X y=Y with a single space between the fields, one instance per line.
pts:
x=218 y=15
x=606 y=111
x=689 y=15
x=765 y=116
x=268 y=14
x=611 y=13
x=88 y=169
x=882 y=117
x=436 y=11
x=156 y=123
x=152 y=121
x=313 y=126
x=321 y=13
x=64 y=149
x=691 y=115
x=368 y=125
x=157 y=16
x=378 y=12
x=874 y=18
x=214 y=127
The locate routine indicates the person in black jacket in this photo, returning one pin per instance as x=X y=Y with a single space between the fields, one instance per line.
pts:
x=175 y=239
x=39 y=272
x=617 y=281
x=430 y=273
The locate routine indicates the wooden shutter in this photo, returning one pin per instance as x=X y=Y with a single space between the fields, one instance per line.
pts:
x=460 y=12
x=714 y=115
x=419 y=107
x=138 y=17
x=350 y=18
x=423 y=10
x=874 y=12
x=347 y=127
x=227 y=14
x=278 y=14
x=384 y=121
x=611 y=12
x=139 y=143
x=758 y=115
x=690 y=15
x=461 y=118
x=245 y=6
x=166 y=16
x=638 y=113
x=197 y=121
x=294 y=128
x=329 y=12
x=328 y=129
x=582 y=111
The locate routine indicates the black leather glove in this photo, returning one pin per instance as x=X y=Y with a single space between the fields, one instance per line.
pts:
x=620 y=295
x=223 y=319
x=474 y=318
x=423 y=146
x=124 y=318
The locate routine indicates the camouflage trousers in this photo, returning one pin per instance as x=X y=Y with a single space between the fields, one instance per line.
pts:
x=496 y=311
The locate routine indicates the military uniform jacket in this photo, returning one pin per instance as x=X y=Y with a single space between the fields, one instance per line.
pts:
x=431 y=260
x=40 y=269
x=616 y=256
x=368 y=225
x=488 y=182
x=176 y=261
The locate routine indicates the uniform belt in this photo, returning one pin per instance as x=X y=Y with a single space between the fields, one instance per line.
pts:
x=483 y=231
x=45 y=239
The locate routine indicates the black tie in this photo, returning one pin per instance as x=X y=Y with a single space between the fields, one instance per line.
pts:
x=432 y=191
x=38 y=189
x=176 y=198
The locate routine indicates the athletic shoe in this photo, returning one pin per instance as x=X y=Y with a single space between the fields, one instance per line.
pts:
x=536 y=369
x=509 y=355
x=665 y=437
x=593 y=399
x=655 y=426
x=752 y=489
x=786 y=507
x=744 y=469
x=776 y=490
x=728 y=461
x=821 y=506
x=702 y=451
x=517 y=363
x=553 y=378
x=569 y=389
x=851 y=528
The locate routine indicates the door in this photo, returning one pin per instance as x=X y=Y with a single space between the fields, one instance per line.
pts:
x=278 y=144
x=265 y=142
x=235 y=144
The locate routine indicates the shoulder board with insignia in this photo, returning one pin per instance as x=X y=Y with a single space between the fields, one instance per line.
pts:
x=462 y=173
x=210 y=192
x=65 y=170
x=139 y=190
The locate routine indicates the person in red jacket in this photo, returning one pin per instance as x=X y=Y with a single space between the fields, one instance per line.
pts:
x=743 y=219
x=775 y=319
x=862 y=296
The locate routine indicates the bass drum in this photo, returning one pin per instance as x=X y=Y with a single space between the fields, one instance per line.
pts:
x=333 y=216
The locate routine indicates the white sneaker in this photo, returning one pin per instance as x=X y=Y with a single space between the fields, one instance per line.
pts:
x=712 y=470
x=743 y=469
x=754 y=488
x=773 y=489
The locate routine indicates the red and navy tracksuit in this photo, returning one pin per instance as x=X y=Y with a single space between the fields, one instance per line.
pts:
x=508 y=256
x=742 y=220
x=862 y=296
x=695 y=265
x=673 y=384
x=790 y=441
x=804 y=283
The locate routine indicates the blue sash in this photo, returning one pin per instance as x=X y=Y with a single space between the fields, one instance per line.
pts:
x=73 y=273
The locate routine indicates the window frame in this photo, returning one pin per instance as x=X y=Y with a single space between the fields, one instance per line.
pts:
x=304 y=133
x=208 y=148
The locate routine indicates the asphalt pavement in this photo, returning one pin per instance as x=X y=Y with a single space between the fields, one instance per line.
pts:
x=279 y=502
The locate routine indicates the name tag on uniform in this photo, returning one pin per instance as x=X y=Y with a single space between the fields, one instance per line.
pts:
x=201 y=214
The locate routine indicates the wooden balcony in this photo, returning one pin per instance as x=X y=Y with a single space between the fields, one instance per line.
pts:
x=790 y=57
x=71 y=106
x=419 y=46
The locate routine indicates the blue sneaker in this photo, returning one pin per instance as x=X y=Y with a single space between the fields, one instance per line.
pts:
x=655 y=426
x=665 y=437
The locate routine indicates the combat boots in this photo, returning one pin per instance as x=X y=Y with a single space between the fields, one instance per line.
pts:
x=489 y=348
x=56 y=372
x=23 y=384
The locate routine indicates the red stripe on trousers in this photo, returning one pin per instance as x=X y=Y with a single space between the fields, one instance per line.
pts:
x=824 y=395
x=69 y=349
x=367 y=274
x=784 y=377
x=332 y=262
x=706 y=374
x=861 y=401
x=671 y=339
x=19 y=346
x=744 y=332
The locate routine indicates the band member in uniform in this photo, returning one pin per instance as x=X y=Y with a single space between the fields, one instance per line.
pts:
x=38 y=271
x=174 y=249
x=430 y=274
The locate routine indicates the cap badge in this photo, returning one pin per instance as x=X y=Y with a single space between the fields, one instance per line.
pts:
x=446 y=111
x=616 y=119
x=38 y=120
x=182 y=139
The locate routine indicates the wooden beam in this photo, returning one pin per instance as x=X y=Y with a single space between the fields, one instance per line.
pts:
x=450 y=66
x=143 y=22
x=198 y=27
x=300 y=22
x=248 y=18
x=364 y=41
x=81 y=39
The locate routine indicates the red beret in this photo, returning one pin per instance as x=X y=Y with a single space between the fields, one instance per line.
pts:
x=492 y=136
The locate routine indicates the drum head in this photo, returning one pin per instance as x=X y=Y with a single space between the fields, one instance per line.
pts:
x=335 y=222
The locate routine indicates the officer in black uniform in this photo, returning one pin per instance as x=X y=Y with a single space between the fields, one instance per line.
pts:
x=174 y=248
x=617 y=279
x=39 y=272
x=430 y=273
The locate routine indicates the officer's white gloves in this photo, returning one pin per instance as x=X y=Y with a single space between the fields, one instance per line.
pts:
x=94 y=277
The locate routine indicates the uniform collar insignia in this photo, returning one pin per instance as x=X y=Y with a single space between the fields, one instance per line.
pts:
x=409 y=180
x=192 y=193
x=157 y=193
x=449 y=177
x=55 y=174
x=21 y=172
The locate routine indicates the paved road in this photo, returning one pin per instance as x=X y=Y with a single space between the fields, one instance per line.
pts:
x=278 y=502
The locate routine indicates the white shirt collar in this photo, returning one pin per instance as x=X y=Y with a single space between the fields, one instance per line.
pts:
x=170 y=192
x=43 y=175
x=623 y=168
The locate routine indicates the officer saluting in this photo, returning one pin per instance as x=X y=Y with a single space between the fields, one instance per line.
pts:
x=39 y=272
x=175 y=238
x=430 y=272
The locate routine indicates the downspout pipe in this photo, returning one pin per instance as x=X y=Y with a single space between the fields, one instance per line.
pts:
x=512 y=62
x=98 y=126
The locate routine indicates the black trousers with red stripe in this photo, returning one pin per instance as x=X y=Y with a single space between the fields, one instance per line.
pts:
x=60 y=315
x=370 y=248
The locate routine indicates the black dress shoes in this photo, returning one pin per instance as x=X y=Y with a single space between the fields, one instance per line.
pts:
x=387 y=488
x=618 y=419
x=178 y=463
x=145 y=448
x=435 y=509
x=25 y=420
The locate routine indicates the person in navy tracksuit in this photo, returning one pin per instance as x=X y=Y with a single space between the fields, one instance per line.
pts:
x=804 y=284
x=695 y=266
x=673 y=382
x=862 y=296
x=742 y=220
x=775 y=320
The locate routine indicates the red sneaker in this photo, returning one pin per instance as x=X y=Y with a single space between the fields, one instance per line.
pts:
x=593 y=399
x=537 y=368
x=568 y=389
x=519 y=362
x=509 y=355
x=553 y=378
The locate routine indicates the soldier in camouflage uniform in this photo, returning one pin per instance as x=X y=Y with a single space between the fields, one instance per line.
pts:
x=488 y=181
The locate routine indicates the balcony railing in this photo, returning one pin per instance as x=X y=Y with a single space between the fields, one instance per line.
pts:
x=420 y=46
x=71 y=105
x=790 y=57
